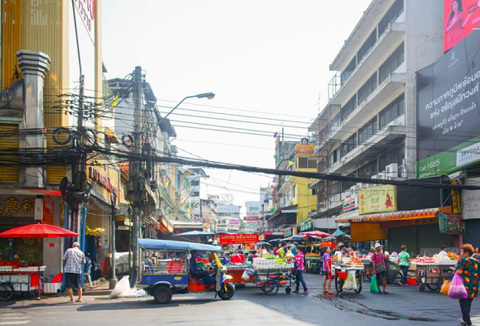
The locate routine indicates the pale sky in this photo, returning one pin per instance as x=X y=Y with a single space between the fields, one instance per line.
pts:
x=267 y=62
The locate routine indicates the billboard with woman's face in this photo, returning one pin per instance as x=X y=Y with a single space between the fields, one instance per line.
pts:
x=460 y=18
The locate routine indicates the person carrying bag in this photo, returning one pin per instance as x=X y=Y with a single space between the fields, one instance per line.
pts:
x=379 y=267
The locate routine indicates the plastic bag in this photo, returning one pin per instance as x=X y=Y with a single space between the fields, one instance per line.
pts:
x=57 y=278
x=373 y=285
x=121 y=289
x=351 y=281
x=445 y=287
x=245 y=275
x=457 y=289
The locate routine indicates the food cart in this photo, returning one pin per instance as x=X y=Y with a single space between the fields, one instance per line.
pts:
x=271 y=274
x=313 y=263
x=431 y=272
x=19 y=280
x=348 y=274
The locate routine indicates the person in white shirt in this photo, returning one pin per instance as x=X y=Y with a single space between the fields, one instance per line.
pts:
x=443 y=251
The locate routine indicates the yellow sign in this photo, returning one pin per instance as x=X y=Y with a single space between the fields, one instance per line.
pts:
x=377 y=199
x=304 y=149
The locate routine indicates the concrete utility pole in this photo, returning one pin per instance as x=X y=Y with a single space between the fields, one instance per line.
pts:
x=136 y=187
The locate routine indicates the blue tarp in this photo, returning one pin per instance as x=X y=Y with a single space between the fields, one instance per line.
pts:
x=154 y=244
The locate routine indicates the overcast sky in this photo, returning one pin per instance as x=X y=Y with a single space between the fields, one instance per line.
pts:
x=267 y=62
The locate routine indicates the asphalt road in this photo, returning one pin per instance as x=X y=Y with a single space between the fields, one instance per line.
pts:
x=402 y=306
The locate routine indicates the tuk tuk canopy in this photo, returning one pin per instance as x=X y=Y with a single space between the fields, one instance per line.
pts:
x=155 y=244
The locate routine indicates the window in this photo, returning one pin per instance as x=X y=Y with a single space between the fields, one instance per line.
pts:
x=348 y=108
x=365 y=49
x=391 y=15
x=367 y=88
x=195 y=182
x=392 y=63
x=349 y=145
x=392 y=111
x=335 y=123
x=348 y=71
x=367 y=131
x=368 y=170
x=306 y=162
x=334 y=157
x=335 y=189
x=394 y=156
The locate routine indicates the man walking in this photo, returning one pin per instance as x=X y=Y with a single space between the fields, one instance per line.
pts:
x=74 y=259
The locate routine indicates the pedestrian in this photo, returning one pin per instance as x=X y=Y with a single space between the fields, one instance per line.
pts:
x=443 y=251
x=404 y=264
x=327 y=269
x=74 y=258
x=379 y=267
x=476 y=254
x=281 y=251
x=300 y=262
x=87 y=269
x=467 y=268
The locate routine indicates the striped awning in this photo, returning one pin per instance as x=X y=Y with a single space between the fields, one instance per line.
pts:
x=391 y=216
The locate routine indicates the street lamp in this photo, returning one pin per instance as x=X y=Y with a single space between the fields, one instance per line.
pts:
x=209 y=95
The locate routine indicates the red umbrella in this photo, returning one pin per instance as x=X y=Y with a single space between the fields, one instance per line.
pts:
x=316 y=234
x=38 y=231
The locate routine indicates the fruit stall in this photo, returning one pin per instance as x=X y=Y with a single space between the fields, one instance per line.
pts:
x=348 y=274
x=431 y=271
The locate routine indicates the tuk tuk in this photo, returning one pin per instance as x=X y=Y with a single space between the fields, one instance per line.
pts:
x=166 y=270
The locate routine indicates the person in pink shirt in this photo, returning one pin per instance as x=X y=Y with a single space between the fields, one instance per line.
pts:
x=327 y=269
x=300 y=262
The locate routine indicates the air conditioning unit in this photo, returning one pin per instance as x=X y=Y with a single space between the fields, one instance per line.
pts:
x=392 y=170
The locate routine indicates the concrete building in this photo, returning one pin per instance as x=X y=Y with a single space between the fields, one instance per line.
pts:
x=368 y=127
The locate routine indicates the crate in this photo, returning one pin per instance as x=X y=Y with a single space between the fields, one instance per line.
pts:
x=175 y=267
x=342 y=275
x=51 y=288
x=412 y=281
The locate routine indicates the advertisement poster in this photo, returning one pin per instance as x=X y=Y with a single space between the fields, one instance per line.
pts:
x=450 y=224
x=377 y=199
x=448 y=137
x=460 y=18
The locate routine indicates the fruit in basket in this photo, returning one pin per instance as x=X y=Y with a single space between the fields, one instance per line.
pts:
x=452 y=255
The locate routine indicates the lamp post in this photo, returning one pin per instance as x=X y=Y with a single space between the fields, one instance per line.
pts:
x=209 y=95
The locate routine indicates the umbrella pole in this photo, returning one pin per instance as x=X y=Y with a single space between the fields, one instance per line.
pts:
x=38 y=272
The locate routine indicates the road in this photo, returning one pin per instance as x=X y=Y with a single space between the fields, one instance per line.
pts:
x=402 y=306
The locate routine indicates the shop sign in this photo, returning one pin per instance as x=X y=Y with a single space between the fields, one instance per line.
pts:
x=450 y=224
x=306 y=227
x=377 y=199
x=238 y=238
x=47 y=217
x=102 y=180
x=350 y=204
x=86 y=11
x=251 y=218
x=304 y=149
x=233 y=222
x=287 y=232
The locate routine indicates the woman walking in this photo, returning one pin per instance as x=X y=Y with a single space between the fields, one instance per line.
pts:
x=467 y=268
x=404 y=264
x=300 y=262
x=379 y=267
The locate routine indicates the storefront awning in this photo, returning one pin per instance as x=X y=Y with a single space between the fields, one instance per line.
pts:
x=390 y=216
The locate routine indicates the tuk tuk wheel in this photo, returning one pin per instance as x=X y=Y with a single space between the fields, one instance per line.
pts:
x=226 y=295
x=162 y=294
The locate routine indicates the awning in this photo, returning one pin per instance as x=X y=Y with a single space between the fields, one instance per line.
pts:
x=390 y=216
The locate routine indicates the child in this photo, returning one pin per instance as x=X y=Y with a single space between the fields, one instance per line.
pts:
x=327 y=269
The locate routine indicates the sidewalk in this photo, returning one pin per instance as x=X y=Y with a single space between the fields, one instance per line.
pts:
x=100 y=287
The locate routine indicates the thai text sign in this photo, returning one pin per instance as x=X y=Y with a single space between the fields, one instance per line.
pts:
x=251 y=218
x=234 y=222
x=377 y=199
x=304 y=149
x=238 y=238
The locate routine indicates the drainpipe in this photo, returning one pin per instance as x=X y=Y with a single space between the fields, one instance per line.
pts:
x=35 y=66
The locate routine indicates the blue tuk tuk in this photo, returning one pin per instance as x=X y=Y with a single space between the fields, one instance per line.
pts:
x=166 y=270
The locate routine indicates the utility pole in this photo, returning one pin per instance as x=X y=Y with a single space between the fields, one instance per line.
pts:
x=136 y=187
x=113 y=280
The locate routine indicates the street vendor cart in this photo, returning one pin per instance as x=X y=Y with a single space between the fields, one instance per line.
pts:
x=271 y=275
x=21 y=280
x=348 y=274
x=431 y=275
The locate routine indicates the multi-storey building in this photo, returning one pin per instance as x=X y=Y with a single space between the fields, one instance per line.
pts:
x=368 y=127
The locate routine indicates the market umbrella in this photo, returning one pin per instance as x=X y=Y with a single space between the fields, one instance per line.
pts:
x=38 y=231
x=338 y=233
x=316 y=233
x=263 y=243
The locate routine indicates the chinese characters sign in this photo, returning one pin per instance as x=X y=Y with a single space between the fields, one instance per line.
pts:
x=377 y=199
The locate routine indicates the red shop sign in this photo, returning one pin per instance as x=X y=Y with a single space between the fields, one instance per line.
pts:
x=238 y=238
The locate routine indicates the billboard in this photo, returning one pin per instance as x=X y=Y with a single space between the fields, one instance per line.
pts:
x=238 y=238
x=460 y=18
x=448 y=137
x=377 y=199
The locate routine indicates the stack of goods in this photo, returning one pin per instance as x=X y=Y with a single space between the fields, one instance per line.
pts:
x=452 y=255
x=354 y=261
x=272 y=264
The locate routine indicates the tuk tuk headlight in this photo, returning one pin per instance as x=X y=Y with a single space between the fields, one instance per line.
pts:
x=223 y=269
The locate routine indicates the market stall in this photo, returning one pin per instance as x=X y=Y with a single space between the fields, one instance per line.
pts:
x=271 y=273
x=348 y=274
x=431 y=271
x=15 y=279
x=313 y=263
